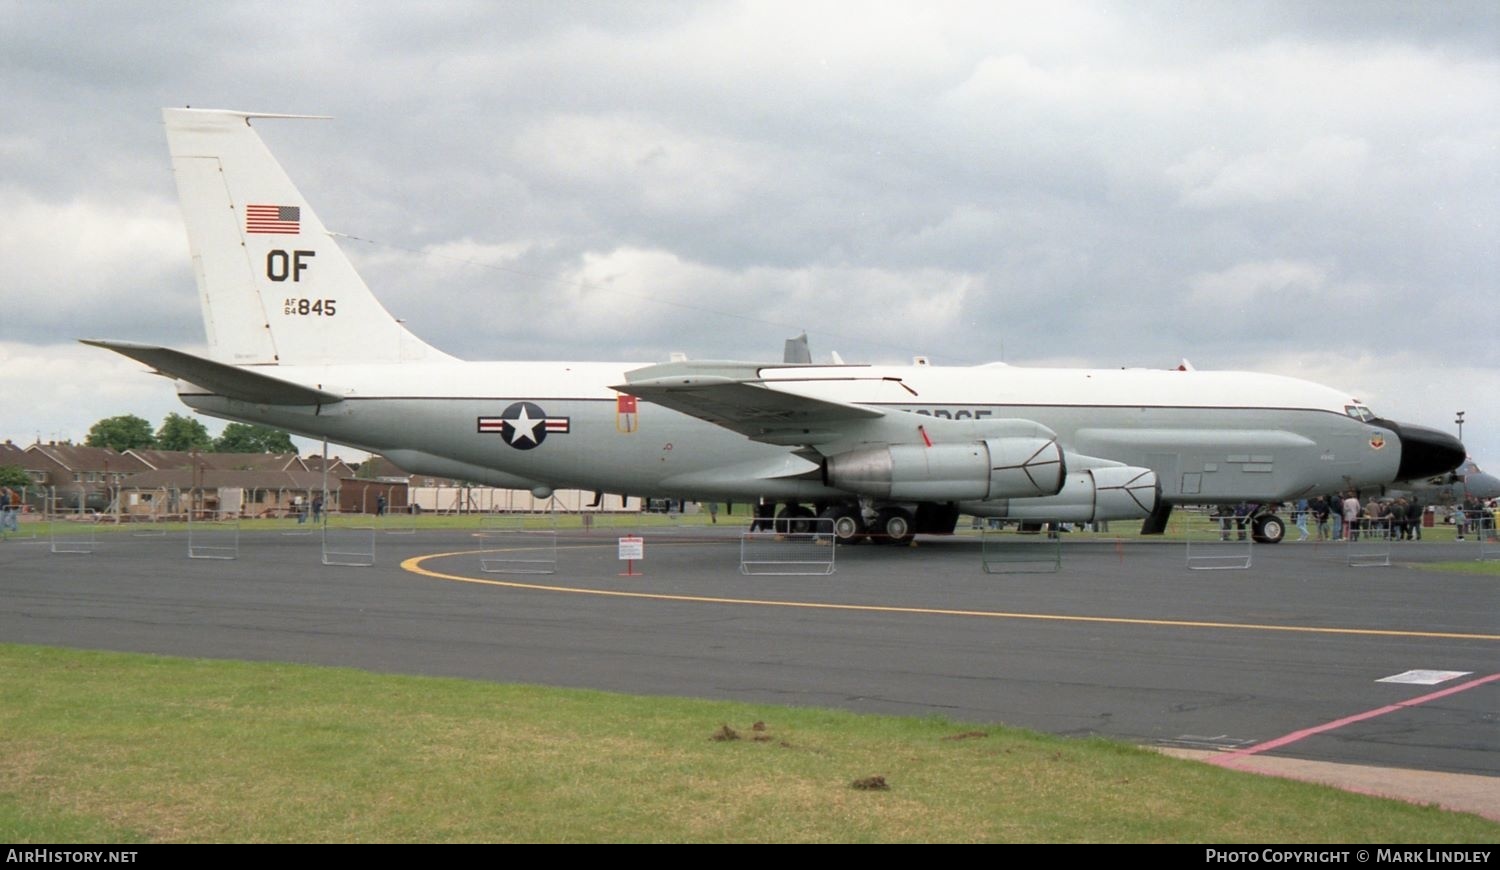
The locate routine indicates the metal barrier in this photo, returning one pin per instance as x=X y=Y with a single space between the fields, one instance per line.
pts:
x=349 y=546
x=790 y=553
x=72 y=532
x=1482 y=525
x=611 y=524
x=518 y=551
x=1368 y=545
x=518 y=543
x=1217 y=541
x=217 y=538
x=1033 y=547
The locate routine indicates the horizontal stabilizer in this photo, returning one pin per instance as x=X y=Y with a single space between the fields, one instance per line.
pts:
x=219 y=378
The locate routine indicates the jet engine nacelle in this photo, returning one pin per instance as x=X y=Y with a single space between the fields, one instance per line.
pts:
x=1097 y=495
x=1016 y=467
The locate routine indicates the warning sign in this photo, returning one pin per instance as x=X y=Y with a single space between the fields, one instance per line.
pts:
x=632 y=547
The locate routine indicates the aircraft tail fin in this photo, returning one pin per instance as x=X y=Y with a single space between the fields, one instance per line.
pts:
x=274 y=286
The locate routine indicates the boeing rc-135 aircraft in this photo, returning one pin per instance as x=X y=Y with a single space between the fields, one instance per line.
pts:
x=297 y=341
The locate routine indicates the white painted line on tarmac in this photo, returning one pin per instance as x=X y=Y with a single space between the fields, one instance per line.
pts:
x=1424 y=678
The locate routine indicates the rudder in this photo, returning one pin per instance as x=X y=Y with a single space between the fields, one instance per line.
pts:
x=275 y=287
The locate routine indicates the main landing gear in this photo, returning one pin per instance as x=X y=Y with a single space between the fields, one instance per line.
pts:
x=1267 y=529
x=853 y=522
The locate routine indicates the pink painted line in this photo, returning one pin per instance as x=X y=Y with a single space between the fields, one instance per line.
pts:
x=1229 y=758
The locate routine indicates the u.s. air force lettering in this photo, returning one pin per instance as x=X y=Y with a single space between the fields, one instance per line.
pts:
x=524 y=425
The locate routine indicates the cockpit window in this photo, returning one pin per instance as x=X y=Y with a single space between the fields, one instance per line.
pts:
x=1359 y=412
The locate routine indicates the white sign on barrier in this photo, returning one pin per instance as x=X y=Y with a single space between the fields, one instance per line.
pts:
x=632 y=547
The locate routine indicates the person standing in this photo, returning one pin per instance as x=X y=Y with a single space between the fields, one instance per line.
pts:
x=1319 y=507
x=9 y=508
x=1395 y=514
x=1375 y=520
x=1301 y=518
x=1351 y=516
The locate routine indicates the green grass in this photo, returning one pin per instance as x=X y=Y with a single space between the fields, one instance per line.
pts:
x=117 y=747
x=424 y=522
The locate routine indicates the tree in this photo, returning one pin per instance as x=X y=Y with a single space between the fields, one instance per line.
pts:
x=183 y=433
x=121 y=433
x=14 y=476
x=248 y=438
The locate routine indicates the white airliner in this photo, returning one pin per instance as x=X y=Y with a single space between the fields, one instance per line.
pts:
x=297 y=341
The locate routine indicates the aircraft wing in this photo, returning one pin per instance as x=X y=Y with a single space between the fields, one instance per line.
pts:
x=225 y=380
x=734 y=395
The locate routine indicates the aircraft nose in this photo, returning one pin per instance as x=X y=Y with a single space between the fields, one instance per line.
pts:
x=1425 y=452
x=1482 y=485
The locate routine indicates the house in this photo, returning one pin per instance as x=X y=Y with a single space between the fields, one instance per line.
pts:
x=244 y=493
x=78 y=476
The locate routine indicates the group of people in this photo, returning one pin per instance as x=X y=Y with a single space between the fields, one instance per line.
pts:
x=1341 y=517
x=300 y=508
x=1473 y=515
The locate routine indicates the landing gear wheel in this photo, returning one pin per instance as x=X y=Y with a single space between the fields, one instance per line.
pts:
x=894 y=526
x=848 y=523
x=1267 y=529
x=794 y=519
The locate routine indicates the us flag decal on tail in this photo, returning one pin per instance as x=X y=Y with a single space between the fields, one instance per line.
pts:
x=286 y=219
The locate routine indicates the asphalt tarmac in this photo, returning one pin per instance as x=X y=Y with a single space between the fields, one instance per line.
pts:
x=1285 y=658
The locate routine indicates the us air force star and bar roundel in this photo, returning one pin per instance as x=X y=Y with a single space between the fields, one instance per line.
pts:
x=524 y=425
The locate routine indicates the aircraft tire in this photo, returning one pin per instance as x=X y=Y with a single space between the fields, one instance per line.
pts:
x=794 y=519
x=1268 y=529
x=894 y=526
x=848 y=524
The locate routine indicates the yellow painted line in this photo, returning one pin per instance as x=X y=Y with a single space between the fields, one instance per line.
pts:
x=414 y=565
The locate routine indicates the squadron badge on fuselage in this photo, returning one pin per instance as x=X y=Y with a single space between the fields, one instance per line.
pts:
x=524 y=425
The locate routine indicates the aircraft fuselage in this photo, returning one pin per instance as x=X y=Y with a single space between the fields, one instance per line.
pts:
x=1210 y=436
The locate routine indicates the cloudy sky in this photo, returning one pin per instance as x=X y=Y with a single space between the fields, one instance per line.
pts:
x=1303 y=188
